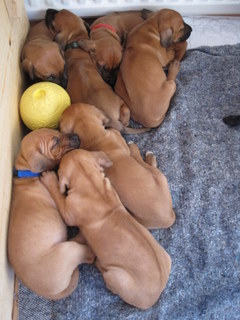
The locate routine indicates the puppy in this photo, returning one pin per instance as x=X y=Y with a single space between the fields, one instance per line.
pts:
x=132 y=263
x=108 y=35
x=142 y=188
x=42 y=58
x=38 y=249
x=84 y=82
x=141 y=81
x=232 y=120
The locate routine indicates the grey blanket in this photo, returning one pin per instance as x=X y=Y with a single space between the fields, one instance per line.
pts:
x=200 y=156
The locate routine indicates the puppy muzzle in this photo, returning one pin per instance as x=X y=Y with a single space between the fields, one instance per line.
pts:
x=74 y=141
x=109 y=75
x=187 y=32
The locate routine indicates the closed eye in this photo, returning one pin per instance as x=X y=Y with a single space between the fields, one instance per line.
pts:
x=56 y=141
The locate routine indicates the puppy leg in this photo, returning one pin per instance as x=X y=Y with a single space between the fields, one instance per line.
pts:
x=161 y=214
x=122 y=283
x=161 y=101
x=50 y=181
x=150 y=159
x=124 y=115
x=62 y=261
x=173 y=70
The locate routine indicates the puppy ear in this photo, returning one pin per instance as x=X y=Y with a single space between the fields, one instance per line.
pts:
x=102 y=159
x=87 y=45
x=28 y=68
x=39 y=163
x=49 y=19
x=166 y=37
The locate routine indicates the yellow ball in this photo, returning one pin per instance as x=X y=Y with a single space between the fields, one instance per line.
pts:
x=42 y=105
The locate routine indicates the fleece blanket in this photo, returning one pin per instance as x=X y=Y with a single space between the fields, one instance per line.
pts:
x=200 y=157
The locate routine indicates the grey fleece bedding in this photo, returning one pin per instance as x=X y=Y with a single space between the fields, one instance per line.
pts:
x=200 y=156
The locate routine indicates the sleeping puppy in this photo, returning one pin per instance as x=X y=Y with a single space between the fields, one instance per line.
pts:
x=141 y=81
x=132 y=263
x=42 y=58
x=38 y=249
x=232 y=120
x=142 y=188
x=84 y=82
x=108 y=35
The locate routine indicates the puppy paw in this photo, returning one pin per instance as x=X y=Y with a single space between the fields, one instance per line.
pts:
x=151 y=159
x=173 y=70
x=89 y=255
x=48 y=179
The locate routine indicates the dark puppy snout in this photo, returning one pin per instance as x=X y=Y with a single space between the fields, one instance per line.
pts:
x=187 y=32
x=74 y=140
x=109 y=75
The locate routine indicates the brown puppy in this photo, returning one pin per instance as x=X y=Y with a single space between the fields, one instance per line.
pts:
x=42 y=58
x=142 y=188
x=108 y=35
x=38 y=249
x=141 y=81
x=84 y=82
x=132 y=263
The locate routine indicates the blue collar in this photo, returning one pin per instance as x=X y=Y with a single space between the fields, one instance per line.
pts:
x=25 y=174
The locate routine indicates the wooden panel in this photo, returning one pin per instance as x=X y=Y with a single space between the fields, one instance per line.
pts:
x=14 y=26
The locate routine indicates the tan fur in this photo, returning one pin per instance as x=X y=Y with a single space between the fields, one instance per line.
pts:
x=38 y=249
x=41 y=56
x=106 y=45
x=84 y=82
x=132 y=263
x=142 y=188
x=156 y=43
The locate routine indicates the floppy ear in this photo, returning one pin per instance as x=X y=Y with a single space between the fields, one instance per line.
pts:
x=39 y=163
x=87 y=45
x=102 y=159
x=28 y=67
x=49 y=19
x=166 y=37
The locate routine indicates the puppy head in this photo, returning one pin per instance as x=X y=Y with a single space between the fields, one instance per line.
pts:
x=172 y=28
x=65 y=26
x=81 y=118
x=89 y=165
x=106 y=54
x=44 y=61
x=43 y=149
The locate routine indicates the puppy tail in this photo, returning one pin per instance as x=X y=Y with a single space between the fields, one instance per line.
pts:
x=125 y=130
x=128 y=130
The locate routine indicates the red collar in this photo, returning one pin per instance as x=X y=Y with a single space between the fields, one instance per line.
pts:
x=103 y=25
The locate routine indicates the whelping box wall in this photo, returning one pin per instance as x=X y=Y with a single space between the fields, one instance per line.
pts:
x=14 y=27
